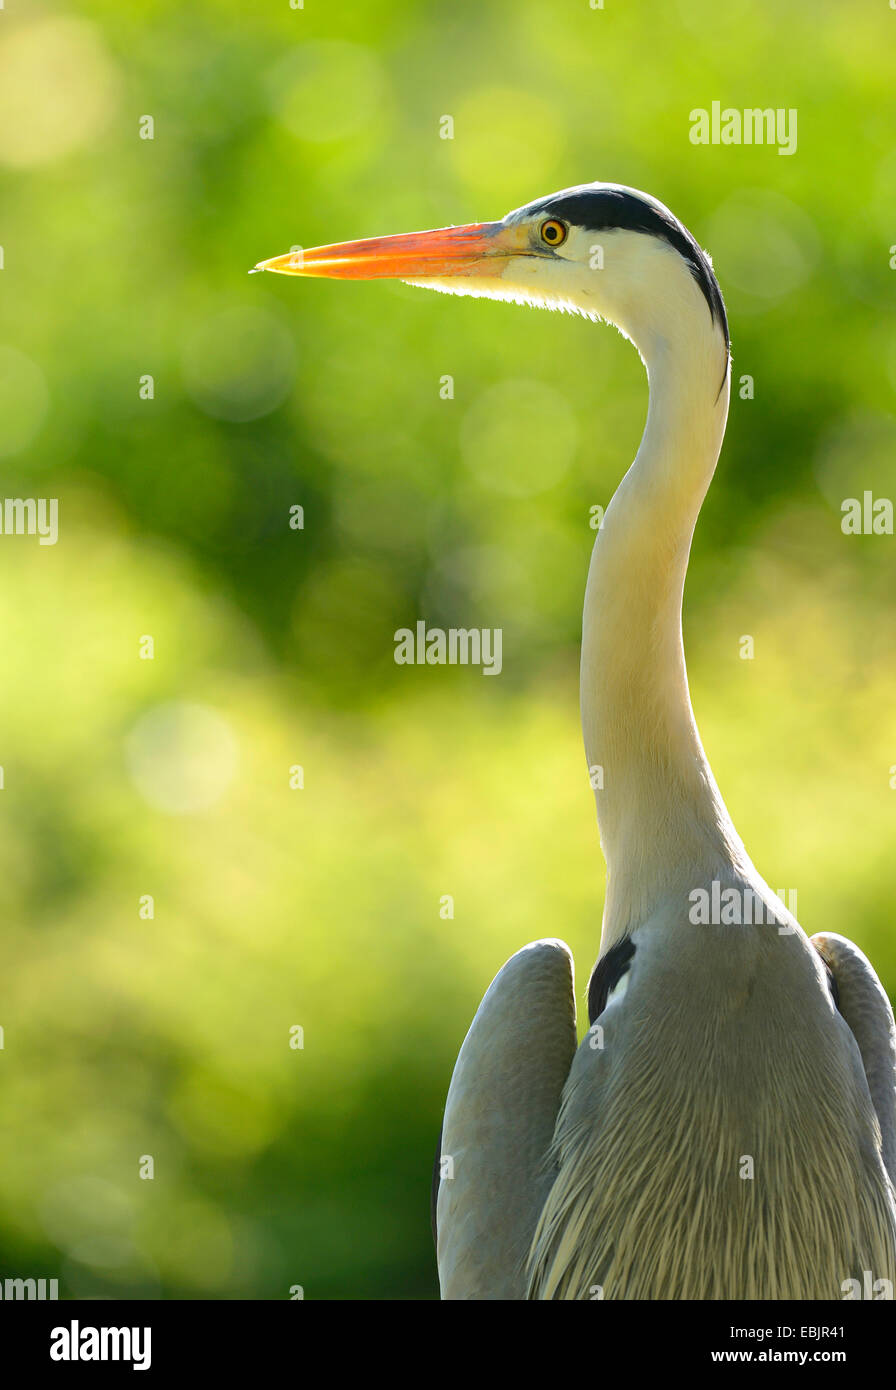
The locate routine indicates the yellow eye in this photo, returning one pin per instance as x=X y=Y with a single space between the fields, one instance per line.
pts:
x=553 y=233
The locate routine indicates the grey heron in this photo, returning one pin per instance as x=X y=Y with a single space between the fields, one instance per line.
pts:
x=727 y=1126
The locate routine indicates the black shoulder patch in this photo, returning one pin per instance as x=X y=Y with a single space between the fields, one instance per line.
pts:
x=603 y=207
x=606 y=976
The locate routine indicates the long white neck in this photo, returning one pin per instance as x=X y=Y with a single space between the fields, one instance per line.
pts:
x=662 y=820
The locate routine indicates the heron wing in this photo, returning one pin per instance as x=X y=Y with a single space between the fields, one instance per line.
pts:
x=864 y=1005
x=499 y=1121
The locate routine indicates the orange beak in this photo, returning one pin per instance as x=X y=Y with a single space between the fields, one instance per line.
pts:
x=482 y=248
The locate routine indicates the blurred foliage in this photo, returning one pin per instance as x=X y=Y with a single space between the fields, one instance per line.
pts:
x=273 y=647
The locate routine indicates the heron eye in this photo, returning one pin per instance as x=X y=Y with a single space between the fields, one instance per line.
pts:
x=553 y=233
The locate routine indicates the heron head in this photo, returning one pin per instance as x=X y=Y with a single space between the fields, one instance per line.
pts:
x=601 y=250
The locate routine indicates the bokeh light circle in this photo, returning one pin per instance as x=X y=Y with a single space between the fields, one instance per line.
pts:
x=239 y=363
x=764 y=245
x=181 y=757
x=506 y=147
x=58 y=86
x=519 y=437
x=327 y=90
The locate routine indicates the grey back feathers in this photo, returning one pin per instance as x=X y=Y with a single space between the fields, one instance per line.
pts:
x=720 y=1142
x=710 y=1138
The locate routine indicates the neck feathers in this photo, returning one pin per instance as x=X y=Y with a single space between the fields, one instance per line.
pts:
x=660 y=813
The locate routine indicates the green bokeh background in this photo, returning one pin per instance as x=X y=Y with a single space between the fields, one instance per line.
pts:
x=273 y=647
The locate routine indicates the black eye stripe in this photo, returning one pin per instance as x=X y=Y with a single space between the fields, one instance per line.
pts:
x=603 y=207
x=606 y=976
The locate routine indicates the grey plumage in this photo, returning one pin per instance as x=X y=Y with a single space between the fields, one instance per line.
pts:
x=864 y=1005
x=722 y=1143
x=499 y=1121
